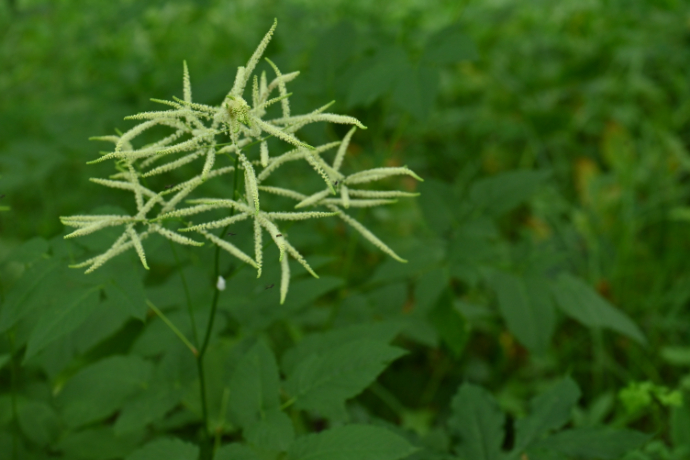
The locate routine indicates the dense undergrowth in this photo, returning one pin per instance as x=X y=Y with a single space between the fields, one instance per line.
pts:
x=543 y=311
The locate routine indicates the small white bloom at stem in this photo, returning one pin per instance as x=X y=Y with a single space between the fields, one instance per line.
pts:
x=220 y=285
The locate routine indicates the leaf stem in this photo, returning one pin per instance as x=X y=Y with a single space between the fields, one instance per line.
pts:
x=173 y=327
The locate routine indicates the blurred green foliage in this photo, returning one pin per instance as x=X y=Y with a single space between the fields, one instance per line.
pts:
x=553 y=138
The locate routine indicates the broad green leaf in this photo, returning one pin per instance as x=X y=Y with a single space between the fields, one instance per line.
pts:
x=525 y=303
x=548 y=411
x=29 y=251
x=236 y=451
x=64 y=317
x=351 y=442
x=254 y=386
x=320 y=343
x=166 y=449
x=147 y=407
x=438 y=204
x=478 y=420
x=428 y=288
x=21 y=299
x=676 y=356
x=416 y=91
x=274 y=431
x=581 y=302
x=595 y=443
x=38 y=421
x=101 y=324
x=100 y=389
x=378 y=76
x=449 y=45
x=320 y=382
x=450 y=324
x=98 y=444
x=502 y=192
x=126 y=290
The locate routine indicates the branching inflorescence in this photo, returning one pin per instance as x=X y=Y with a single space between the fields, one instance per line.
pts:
x=196 y=130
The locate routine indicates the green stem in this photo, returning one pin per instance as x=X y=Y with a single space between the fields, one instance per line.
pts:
x=172 y=327
x=186 y=293
x=206 y=450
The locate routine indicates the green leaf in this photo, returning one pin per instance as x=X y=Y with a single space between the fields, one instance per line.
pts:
x=236 y=451
x=378 y=76
x=100 y=389
x=29 y=251
x=479 y=422
x=351 y=442
x=147 y=407
x=38 y=421
x=323 y=381
x=62 y=319
x=321 y=343
x=126 y=290
x=274 y=432
x=21 y=299
x=254 y=386
x=450 y=324
x=548 y=411
x=594 y=442
x=581 y=302
x=449 y=45
x=416 y=91
x=166 y=449
x=437 y=202
x=98 y=444
x=525 y=303
x=502 y=192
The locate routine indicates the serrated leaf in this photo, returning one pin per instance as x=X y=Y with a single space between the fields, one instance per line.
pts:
x=38 y=421
x=477 y=419
x=274 y=432
x=450 y=324
x=18 y=302
x=320 y=343
x=548 y=411
x=166 y=449
x=594 y=442
x=100 y=389
x=254 y=386
x=500 y=193
x=61 y=319
x=579 y=301
x=525 y=304
x=351 y=442
x=323 y=381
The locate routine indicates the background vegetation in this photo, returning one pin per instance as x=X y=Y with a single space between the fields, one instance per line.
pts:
x=548 y=249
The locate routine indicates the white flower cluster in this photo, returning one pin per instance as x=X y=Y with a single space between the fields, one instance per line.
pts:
x=196 y=131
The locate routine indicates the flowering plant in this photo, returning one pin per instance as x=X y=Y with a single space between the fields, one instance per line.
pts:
x=197 y=130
